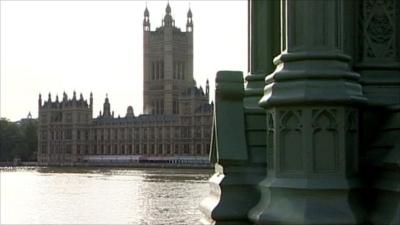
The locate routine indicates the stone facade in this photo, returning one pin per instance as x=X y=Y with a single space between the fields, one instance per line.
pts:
x=175 y=126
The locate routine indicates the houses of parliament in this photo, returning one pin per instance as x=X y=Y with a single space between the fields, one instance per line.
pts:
x=175 y=126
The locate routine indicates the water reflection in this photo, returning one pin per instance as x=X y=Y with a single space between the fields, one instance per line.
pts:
x=101 y=195
x=184 y=176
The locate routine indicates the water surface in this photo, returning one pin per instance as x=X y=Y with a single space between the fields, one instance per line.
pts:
x=101 y=195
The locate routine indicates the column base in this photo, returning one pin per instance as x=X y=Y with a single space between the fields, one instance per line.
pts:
x=233 y=193
x=300 y=202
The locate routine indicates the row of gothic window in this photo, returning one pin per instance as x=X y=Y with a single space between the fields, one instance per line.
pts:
x=130 y=134
x=179 y=70
x=162 y=149
x=157 y=106
x=157 y=70
x=65 y=117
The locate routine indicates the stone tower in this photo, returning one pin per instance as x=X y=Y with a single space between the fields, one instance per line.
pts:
x=63 y=129
x=167 y=64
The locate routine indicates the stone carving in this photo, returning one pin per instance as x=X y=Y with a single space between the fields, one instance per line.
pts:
x=290 y=134
x=378 y=28
x=325 y=141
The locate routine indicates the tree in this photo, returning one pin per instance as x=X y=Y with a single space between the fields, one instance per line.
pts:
x=29 y=133
x=18 y=140
x=9 y=137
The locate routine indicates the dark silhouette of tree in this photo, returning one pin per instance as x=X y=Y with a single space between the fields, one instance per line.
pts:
x=18 y=140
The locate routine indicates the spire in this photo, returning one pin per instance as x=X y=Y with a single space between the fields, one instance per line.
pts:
x=207 y=88
x=168 y=9
x=74 y=96
x=91 y=100
x=40 y=100
x=106 y=107
x=146 y=19
x=49 y=99
x=168 y=21
x=189 y=22
x=65 y=97
x=57 y=98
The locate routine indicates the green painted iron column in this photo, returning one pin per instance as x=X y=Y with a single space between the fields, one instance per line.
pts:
x=263 y=46
x=311 y=102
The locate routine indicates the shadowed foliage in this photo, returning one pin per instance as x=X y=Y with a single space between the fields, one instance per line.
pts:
x=18 y=140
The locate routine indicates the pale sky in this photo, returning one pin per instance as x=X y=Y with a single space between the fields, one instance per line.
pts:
x=56 y=46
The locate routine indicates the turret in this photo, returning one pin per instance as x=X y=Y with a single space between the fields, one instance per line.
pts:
x=146 y=20
x=168 y=21
x=129 y=112
x=106 y=107
x=207 y=88
x=168 y=9
x=189 y=22
x=91 y=101
x=40 y=100
x=74 y=96
x=49 y=99
x=65 y=97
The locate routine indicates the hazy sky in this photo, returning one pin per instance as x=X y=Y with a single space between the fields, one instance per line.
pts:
x=56 y=46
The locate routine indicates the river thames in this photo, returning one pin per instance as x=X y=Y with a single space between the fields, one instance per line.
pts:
x=101 y=195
